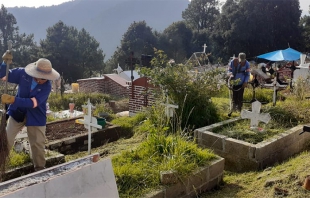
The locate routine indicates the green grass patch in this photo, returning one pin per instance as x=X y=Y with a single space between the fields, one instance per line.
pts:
x=138 y=171
x=241 y=130
x=18 y=159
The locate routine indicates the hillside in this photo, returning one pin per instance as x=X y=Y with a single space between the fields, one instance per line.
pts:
x=106 y=20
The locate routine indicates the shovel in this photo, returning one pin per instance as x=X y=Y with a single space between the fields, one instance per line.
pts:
x=4 y=151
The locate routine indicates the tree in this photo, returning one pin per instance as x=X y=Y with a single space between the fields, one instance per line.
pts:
x=256 y=27
x=138 y=39
x=201 y=14
x=90 y=59
x=74 y=54
x=305 y=25
x=176 y=41
x=24 y=48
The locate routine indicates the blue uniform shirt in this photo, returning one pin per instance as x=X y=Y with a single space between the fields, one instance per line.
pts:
x=240 y=71
x=23 y=105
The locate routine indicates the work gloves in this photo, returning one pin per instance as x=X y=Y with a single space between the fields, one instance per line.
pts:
x=7 y=99
x=7 y=57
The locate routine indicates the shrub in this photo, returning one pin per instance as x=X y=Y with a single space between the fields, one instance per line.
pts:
x=57 y=102
x=191 y=91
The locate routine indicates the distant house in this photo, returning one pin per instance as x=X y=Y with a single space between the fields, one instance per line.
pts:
x=127 y=74
x=113 y=84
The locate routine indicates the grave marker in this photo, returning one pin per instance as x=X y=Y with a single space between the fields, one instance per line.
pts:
x=90 y=123
x=204 y=48
x=169 y=109
x=255 y=115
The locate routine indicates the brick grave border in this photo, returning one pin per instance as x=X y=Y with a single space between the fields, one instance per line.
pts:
x=242 y=156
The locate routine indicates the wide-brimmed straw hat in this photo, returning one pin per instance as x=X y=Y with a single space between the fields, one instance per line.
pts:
x=42 y=68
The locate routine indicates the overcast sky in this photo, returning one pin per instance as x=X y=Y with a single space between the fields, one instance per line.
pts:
x=304 y=4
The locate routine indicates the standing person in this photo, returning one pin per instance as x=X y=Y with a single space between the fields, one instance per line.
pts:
x=239 y=68
x=28 y=107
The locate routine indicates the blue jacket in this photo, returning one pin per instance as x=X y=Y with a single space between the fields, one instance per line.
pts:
x=240 y=71
x=23 y=105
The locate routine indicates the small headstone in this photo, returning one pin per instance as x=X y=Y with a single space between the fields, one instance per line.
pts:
x=255 y=116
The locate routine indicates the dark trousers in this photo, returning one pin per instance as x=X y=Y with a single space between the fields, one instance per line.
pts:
x=238 y=91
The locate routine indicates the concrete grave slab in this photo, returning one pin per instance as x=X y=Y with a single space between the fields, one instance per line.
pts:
x=86 y=177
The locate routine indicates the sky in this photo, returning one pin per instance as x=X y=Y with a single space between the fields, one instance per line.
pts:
x=304 y=4
x=31 y=3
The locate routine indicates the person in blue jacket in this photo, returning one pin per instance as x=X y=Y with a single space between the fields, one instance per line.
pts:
x=239 y=68
x=28 y=107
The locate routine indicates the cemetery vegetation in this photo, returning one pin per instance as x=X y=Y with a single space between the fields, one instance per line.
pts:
x=166 y=147
x=241 y=131
x=17 y=159
x=281 y=180
x=189 y=89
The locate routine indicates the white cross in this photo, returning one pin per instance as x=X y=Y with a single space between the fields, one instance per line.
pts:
x=204 y=48
x=255 y=115
x=169 y=109
x=275 y=86
x=90 y=123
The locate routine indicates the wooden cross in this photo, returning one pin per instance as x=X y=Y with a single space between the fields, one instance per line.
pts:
x=204 y=48
x=255 y=115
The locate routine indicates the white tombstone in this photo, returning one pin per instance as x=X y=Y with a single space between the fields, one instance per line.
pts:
x=255 y=115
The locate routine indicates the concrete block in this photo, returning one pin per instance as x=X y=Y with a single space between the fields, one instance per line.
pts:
x=168 y=177
x=216 y=168
x=237 y=147
x=211 y=140
x=194 y=181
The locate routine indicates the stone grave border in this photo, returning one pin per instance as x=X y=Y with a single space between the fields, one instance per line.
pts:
x=28 y=168
x=204 y=179
x=242 y=156
x=79 y=142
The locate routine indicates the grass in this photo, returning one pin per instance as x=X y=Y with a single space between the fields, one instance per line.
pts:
x=241 y=130
x=137 y=171
x=288 y=176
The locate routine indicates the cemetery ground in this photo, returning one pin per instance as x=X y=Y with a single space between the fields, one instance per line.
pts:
x=283 y=179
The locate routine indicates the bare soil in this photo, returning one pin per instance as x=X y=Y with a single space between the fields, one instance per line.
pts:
x=68 y=128
x=62 y=129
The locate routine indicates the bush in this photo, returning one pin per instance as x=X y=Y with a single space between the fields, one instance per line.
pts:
x=190 y=90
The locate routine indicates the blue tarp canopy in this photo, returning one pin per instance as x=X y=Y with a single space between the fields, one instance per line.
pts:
x=288 y=54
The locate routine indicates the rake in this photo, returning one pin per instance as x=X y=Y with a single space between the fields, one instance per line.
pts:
x=4 y=150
